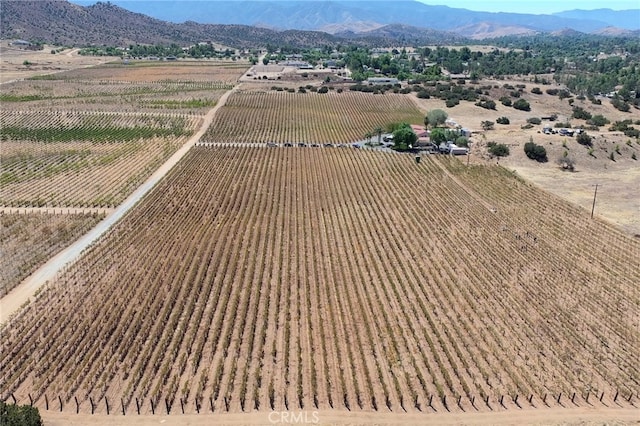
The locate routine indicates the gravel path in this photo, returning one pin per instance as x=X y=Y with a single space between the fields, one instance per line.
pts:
x=11 y=302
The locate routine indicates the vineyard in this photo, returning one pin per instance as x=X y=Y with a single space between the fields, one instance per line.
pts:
x=28 y=240
x=89 y=137
x=279 y=116
x=83 y=159
x=258 y=279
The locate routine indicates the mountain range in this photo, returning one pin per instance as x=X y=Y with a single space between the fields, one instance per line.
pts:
x=244 y=24
x=349 y=15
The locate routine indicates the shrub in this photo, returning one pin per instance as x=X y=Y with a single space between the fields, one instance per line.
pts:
x=499 y=150
x=563 y=94
x=323 y=89
x=584 y=139
x=534 y=120
x=24 y=415
x=535 y=152
x=506 y=101
x=487 y=125
x=486 y=103
x=620 y=105
x=536 y=90
x=633 y=156
x=462 y=141
x=581 y=114
x=423 y=94
x=598 y=120
x=522 y=105
x=552 y=92
x=502 y=120
x=450 y=103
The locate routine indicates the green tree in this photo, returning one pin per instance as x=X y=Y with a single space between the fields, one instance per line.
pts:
x=435 y=118
x=19 y=415
x=404 y=138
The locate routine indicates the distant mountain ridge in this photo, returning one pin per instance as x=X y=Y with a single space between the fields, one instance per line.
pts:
x=106 y=23
x=320 y=14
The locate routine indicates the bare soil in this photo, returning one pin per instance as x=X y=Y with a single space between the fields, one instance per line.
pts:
x=564 y=416
x=618 y=181
x=13 y=61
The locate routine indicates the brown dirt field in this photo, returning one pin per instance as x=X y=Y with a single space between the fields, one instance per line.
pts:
x=182 y=70
x=619 y=180
x=43 y=62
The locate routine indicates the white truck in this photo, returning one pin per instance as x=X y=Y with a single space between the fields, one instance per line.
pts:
x=452 y=149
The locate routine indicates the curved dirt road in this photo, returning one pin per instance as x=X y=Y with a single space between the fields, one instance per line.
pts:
x=11 y=302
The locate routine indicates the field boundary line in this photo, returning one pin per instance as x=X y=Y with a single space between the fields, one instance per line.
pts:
x=21 y=294
x=57 y=210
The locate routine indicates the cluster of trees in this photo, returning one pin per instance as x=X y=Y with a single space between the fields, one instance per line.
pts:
x=202 y=50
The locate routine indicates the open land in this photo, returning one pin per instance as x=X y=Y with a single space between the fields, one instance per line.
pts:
x=352 y=282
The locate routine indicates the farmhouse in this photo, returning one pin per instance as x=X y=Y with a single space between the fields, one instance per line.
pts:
x=420 y=131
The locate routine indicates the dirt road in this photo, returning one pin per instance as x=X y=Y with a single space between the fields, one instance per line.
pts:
x=10 y=303
x=563 y=416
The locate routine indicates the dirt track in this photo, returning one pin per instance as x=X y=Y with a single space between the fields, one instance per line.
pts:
x=21 y=294
x=568 y=416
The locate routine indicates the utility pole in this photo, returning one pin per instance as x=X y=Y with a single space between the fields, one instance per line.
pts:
x=593 y=207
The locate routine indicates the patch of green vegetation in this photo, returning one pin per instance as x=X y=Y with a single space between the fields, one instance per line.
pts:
x=6 y=97
x=174 y=104
x=89 y=133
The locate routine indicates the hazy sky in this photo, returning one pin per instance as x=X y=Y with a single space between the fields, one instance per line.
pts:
x=536 y=6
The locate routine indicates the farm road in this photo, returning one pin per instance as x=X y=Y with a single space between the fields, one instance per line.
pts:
x=11 y=302
x=542 y=416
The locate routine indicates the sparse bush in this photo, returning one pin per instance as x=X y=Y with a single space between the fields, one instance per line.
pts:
x=598 y=120
x=487 y=125
x=633 y=156
x=535 y=152
x=584 y=139
x=486 y=103
x=502 y=120
x=522 y=105
x=498 y=150
x=506 y=101
x=620 y=105
x=581 y=114
x=462 y=141
x=450 y=103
